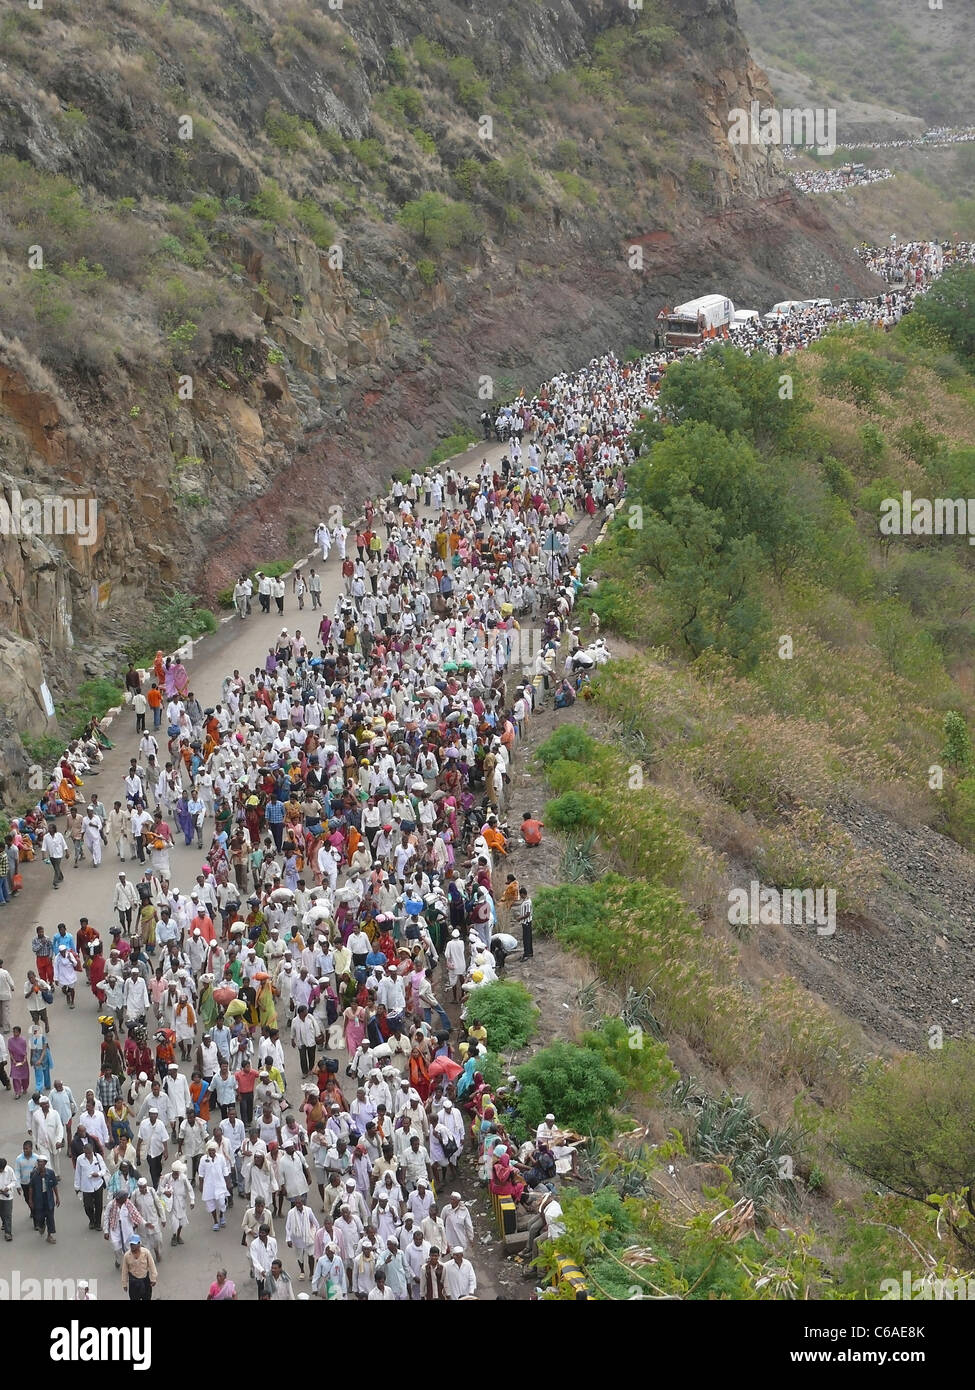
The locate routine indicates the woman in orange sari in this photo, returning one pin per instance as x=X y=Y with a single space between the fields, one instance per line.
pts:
x=200 y=1096
x=66 y=793
x=419 y=1073
x=159 y=669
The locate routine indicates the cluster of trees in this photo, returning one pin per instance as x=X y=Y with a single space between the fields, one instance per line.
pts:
x=713 y=499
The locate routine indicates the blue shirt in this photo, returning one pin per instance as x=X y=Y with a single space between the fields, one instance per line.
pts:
x=24 y=1166
x=274 y=812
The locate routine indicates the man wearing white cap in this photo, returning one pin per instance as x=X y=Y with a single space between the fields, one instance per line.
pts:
x=329 y=1279
x=446 y=1141
x=150 y=1207
x=546 y=1133
x=433 y=1231
x=178 y=1189
x=460 y=1281
x=213 y=1178
x=125 y=900
x=135 y=997
x=299 y=1230
x=393 y=1266
x=457 y=1223
x=293 y=1173
x=47 y=1131
x=356 y=1201
x=153 y=1136
x=364 y=1271
x=456 y=964
x=177 y=1091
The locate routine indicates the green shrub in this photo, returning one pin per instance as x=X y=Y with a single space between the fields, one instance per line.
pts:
x=574 y=1083
x=554 y=910
x=407 y=102
x=92 y=699
x=315 y=223
x=455 y=443
x=205 y=209
x=271 y=203
x=177 y=616
x=507 y=1012
x=573 y=810
x=427 y=270
x=642 y=1064
x=424 y=139
x=44 y=749
x=567 y=742
x=398 y=65
x=286 y=131
x=957 y=748
x=430 y=56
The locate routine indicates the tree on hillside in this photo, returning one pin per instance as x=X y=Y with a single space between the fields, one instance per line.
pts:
x=437 y=222
x=732 y=391
x=949 y=306
x=911 y=1127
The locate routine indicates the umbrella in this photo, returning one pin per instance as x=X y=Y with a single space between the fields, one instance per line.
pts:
x=445 y=1066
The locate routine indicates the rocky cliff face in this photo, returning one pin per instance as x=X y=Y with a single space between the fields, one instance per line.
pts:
x=240 y=316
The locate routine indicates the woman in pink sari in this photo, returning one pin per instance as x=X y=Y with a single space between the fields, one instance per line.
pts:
x=176 y=679
x=355 y=1028
x=504 y=1181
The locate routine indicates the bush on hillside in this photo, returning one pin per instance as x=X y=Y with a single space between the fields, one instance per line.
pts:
x=574 y=1083
x=573 y=811
x=507 y=1011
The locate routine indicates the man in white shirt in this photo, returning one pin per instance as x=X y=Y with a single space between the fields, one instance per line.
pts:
x=54 y=848
x=90 y=1179
x=213 y=1178
x=459 y=1278
x=263 y=1250
x=135 y=997
x=153 y=1136
x=456 y=960
x=457 y=1223
x=125 y=900
x=47 y=1130
x=547 y=1225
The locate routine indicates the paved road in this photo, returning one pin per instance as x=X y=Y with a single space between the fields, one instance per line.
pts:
x=75 y=1035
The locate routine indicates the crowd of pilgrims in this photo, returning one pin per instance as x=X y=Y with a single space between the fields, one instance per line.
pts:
x=279 y=1028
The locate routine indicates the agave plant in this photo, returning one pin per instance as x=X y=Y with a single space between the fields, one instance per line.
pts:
x=761 y=1161
x=637 y=1011
x=579 y=863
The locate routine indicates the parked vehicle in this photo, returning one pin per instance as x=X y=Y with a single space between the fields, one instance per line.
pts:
x=689 y=324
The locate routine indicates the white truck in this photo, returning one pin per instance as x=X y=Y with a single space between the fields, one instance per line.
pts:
x=687 y=325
